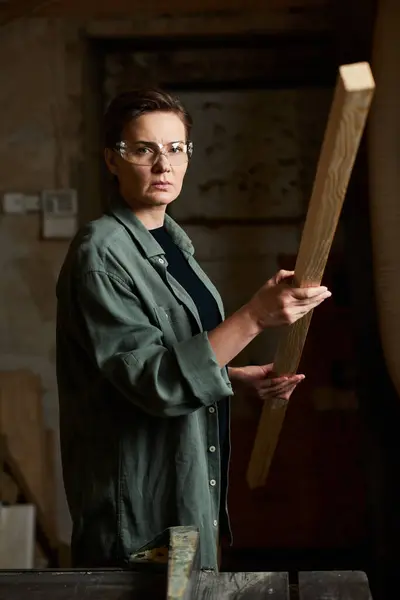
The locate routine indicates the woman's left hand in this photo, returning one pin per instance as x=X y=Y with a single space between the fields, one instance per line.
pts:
x=258 y=382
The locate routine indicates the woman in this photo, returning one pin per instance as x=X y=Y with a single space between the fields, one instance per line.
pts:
x=143 y=350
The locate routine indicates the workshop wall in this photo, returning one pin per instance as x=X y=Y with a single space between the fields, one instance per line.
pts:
x=39 y=146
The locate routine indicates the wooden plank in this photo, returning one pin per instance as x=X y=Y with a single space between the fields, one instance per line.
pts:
x=249 y=586
x=339 y=585
x=183 y=562
x=126 y=584
x=176 y=551
x=82 y=585
x=353 y=95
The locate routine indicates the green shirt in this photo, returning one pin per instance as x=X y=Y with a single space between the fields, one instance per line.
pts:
x=138 y=393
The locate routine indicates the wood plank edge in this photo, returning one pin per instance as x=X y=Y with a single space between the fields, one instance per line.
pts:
x=357 y=77
x=268 y=428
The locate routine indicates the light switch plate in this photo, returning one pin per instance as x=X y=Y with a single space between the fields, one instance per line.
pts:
x=60 y=203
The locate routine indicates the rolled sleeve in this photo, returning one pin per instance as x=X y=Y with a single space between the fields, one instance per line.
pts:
x=199 y=367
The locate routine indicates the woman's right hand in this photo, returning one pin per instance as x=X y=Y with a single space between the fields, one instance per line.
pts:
x=277 y=303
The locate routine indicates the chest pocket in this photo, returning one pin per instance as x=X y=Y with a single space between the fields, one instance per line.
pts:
x=174 y=323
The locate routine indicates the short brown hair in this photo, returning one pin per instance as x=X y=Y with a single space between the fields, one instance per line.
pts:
x=130 y=105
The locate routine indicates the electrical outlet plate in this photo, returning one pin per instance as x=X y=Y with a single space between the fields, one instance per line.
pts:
x=13 y=203
x=18 y=203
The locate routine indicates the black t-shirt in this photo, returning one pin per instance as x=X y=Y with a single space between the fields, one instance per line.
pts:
x=210 y=317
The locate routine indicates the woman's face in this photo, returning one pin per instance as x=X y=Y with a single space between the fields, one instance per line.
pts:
x=149 y=186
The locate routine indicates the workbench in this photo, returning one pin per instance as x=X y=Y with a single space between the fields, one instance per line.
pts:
x=130 y=585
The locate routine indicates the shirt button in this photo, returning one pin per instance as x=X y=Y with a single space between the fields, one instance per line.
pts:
x=215 y=522
x=212 y=448
x=213 y=482
x=211 y=409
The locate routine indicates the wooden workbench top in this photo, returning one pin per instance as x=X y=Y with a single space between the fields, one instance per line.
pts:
x=128 y=585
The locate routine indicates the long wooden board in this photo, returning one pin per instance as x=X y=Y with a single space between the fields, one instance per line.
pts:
x=125 y=584
x=352 y=98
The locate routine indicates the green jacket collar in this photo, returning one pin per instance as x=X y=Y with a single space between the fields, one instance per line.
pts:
x=121 y=211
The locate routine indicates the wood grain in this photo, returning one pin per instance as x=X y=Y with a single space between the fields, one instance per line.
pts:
x=243 y=586
x=81 y=585
x=352 y=98
x=128 y=585
x=183 y=562
x=334 y=585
